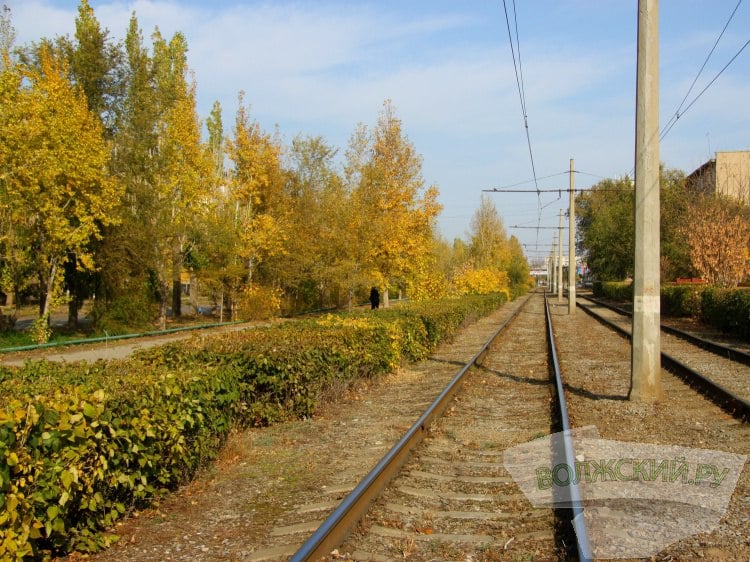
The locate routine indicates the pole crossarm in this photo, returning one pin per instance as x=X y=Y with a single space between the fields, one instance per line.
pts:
x=539 y=227
x=558 y=190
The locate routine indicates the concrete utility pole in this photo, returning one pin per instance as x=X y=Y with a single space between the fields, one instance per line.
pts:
x=645 y=382
x=553 y=262
x=560 y=264
x=572 y=245
x=548 y=288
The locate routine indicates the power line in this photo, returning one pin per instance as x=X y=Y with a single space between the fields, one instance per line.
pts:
x=678 y=112
x=703 y=91
x=519 y=79
x=521 y=90
x=534 y=179
x=559 y=190
x=540 y=227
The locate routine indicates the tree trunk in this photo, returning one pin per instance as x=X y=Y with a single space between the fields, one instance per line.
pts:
x=163 y=305
x=48 y=291
x=386 y=301
x=73 y=312
x=73 y=303
x=176 y=298
x=176 y=282
x=194 y=292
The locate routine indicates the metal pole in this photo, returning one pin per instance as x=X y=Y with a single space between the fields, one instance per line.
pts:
x=646 y=350
x=572 y=245
x=560 y=263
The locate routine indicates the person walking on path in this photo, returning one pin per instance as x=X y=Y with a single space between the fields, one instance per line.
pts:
x=374 y=298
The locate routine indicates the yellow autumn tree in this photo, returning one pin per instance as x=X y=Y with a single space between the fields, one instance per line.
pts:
x=180 y=169
x=717 y=230
x=184 y=185
x=491 y=262
x=53 y=157
x=255 y=190
x=396 y=214
x=470 y=280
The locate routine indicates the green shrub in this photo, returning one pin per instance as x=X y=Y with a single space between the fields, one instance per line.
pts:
x=615 y=290
x=728 y=310
x=73 y=460
x=681 y=300
x=123 y=315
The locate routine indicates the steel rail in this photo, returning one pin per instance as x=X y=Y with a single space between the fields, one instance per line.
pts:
x=334 y=530
x=721 y=396
x=722 y=350
x=578 y=522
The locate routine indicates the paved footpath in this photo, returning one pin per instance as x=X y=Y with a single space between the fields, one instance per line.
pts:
x=116 y=349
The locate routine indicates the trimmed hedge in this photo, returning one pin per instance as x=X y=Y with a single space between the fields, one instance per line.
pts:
x=681 y=300
x=82 y=444
x=727 y=309
x=615 y=290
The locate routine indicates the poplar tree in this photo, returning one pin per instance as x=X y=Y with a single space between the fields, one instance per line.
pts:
x=182 y=168
x=96 y=67
x=488 y=245
x=312 y=270
x=128 y=288
x=95 y=63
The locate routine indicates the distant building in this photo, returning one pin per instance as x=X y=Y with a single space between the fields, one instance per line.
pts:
x=728 y=174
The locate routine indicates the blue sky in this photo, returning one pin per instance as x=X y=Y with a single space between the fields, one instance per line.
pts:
x=321 y=67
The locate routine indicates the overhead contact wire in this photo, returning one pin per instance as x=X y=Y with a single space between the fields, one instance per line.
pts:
x=521 y=94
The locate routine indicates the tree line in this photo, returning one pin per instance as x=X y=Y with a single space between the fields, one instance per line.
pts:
x=112 y=186
x=703 y=235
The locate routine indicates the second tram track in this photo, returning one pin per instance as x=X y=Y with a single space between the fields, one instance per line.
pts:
x=715 y=367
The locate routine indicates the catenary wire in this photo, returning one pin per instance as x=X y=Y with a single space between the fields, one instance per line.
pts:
x=678 y=112
x=521 y=90
x=703 y=91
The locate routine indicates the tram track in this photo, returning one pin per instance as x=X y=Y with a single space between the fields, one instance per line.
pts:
x=720 y=371
x=454 y=499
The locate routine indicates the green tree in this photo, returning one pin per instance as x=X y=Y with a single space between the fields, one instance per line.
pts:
x=127 y=286
x=518 y=266
x=605 y=228
x=96 y=66
x=675 y=206
x=313 y=264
